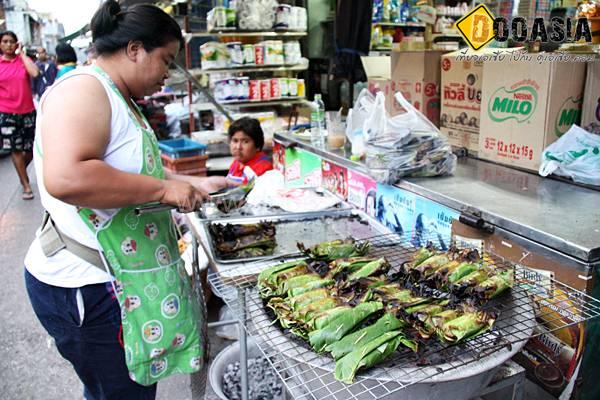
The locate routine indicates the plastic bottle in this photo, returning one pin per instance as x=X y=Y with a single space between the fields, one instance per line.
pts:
x=317 y=122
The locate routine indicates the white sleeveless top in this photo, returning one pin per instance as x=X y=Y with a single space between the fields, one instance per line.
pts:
x=124 y=152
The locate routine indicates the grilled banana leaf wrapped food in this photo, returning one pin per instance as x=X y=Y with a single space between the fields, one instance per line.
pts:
x=343 y=302
x=270 y=280
x=386 y=323
x=341 y=325
x=495 y=285
x=467 y=325
x=243 y=241
x=335 y=249
x=367 y=355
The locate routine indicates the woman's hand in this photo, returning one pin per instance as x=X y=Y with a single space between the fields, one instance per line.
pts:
x=183 y=195
x=30 y=66
x=216 y=183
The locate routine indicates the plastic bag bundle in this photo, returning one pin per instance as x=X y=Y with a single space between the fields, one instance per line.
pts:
x=255 y=15
x=418 y=154
x=401 y=146
x=575 y=155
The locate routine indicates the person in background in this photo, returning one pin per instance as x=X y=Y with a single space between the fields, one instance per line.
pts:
x=246 y=141
x=17 y=112
x=47 y=74
x=91 y=55
x=65 y=58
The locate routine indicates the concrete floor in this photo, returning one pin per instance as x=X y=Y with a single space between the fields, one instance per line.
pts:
x=30 y=366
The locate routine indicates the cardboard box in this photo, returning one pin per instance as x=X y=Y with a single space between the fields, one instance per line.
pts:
x=416 y=74
x=590 y=112
x=460 y=106
x=526 y=105
x=377 y=70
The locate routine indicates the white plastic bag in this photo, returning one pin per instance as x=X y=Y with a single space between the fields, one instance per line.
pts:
x=369 y=121
x=408 y=144
x=575 y=155
x=355 y=122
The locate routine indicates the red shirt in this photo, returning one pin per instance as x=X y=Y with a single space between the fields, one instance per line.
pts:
x=260 y=164
x=15 y=87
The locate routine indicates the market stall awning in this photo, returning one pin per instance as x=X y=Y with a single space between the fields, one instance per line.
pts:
x=75 y=34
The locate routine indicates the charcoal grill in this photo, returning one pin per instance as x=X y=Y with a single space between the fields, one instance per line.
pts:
x=437 y=371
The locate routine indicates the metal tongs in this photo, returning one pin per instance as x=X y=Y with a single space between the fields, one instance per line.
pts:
x=225 y=200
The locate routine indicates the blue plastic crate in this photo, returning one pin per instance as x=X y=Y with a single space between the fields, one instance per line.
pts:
x=180 y=148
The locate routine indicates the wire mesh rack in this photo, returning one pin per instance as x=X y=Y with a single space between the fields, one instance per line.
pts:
x=534 y=299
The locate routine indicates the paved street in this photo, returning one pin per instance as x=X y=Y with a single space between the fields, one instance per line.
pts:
x=30 y=366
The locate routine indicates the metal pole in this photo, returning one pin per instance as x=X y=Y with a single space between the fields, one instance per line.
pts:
x=202 y=89
x=222 y=323
x=243 y=344
x=198 y=379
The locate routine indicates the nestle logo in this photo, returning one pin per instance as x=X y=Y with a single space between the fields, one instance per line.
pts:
x=522 y=96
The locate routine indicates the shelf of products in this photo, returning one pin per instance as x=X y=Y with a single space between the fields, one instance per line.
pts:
x=251 y=61
x=262 y=68
x=401 y=24
x=274 y=102
x=235 y=33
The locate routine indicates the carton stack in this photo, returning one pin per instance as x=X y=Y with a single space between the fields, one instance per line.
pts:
x=525 y=106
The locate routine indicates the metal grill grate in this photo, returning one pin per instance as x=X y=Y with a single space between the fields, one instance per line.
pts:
x=309 y=375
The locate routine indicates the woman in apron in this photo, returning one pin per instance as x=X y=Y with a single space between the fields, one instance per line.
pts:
x=107 y=284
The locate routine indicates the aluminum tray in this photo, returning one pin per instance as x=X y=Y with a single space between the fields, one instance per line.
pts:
x=309 y=228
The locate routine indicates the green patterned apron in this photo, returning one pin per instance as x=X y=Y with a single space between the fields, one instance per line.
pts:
x=159 y=313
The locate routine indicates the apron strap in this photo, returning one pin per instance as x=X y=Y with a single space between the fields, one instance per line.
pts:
x=53 y=240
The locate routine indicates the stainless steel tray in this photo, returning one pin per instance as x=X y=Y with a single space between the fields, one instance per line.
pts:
x=308 y=228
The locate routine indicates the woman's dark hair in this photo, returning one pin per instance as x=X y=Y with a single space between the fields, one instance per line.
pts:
x=113 y=28
x=9 y=33
x=65 y=53
x=251 y=127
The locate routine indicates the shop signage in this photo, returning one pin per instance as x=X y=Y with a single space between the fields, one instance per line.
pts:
x=516 y=103
x=362 y=192
x=407 y=213
x=479 y=27
x=302 y=168
x=335 y=179
x=569 y=114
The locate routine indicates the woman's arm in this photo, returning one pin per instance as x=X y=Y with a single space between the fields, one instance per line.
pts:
x=75 y=133
x=204 y=184
x=30 y=66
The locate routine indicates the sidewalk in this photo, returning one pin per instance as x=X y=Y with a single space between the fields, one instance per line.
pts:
x=30 y=366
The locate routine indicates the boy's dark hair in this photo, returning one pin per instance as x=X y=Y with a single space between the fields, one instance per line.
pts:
x=65 y=53
x=113 y=28
x=251 y=127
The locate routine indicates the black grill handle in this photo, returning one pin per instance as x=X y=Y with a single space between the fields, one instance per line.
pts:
x=476 y=222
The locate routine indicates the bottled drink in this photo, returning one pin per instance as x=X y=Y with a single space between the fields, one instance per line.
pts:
x=317 y=122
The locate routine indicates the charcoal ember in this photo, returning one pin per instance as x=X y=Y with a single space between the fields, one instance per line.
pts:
x=263 y=384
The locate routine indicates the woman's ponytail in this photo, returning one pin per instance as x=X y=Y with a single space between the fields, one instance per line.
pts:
x=105 y=20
